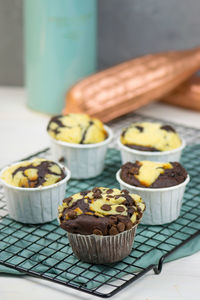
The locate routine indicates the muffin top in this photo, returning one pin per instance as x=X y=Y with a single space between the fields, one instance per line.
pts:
x=101 y=211
x=149 y=136
x=151 y=174
x=33 y=173
x=77 y=129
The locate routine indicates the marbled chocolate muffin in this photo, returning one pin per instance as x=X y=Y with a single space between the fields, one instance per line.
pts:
x=101 y=211
x=151 y=174
x=101 y=223
x=147 y=136
x=34 y=173
x=77 y=129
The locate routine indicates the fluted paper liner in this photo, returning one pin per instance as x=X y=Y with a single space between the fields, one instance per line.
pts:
x=99 y=249
x=163 y=205
x=35 y=205
x=84 y=161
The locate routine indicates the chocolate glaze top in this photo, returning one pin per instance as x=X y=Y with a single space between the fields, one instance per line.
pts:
x=147 y=136
x=101 y=211
x=148 y=174
x=77 y=129
x=33 y=173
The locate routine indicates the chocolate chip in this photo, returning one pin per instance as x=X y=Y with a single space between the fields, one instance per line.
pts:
x=121 y=226
x=97 y=232
x=120 y=209
x=113 y=230
x=72 y=214
x=97 y=193
x=129 y=199
x=129 y=225
x=109 y=191
x=106 y=207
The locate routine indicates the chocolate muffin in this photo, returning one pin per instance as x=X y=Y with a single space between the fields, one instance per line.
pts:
x=101 y=211
x=101 y=223
x=77 y=129
x=153 y=137
x=34 y=173
x=148 y=174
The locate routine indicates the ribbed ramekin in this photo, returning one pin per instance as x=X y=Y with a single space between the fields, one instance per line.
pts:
x=129 y=154
x=99 y=249
x=163 y=205
x=85 y=160
x=35 y=205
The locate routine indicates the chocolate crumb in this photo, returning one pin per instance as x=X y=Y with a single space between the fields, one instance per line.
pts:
x=62 y=159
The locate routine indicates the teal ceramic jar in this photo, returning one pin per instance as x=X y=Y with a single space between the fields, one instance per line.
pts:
x=60 y=49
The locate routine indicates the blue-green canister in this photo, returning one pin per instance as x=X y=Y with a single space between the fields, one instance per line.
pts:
x=60 y=49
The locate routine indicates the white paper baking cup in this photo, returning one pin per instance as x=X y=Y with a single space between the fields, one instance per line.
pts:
x=131 y=155
x=98 y=249
x=85 y=160
x=162 y=205
x=35 y=205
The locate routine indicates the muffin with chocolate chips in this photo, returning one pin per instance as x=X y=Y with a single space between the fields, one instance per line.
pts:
x=80 y=142
x=152 y=141
x=34 y=189
x=101 y=223
x=161 y=185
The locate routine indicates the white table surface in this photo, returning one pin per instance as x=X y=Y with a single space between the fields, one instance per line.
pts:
x=22 y=132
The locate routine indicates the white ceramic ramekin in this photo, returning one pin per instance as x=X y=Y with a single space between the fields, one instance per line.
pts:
x=129 y=154
x=163 y=205
x=35 y=205
x=83 y=160
x=99 y=249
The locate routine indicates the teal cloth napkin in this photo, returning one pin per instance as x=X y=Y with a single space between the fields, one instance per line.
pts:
x=44 y=248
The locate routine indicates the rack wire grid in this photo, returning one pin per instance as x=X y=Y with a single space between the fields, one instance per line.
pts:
x=43 y=250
